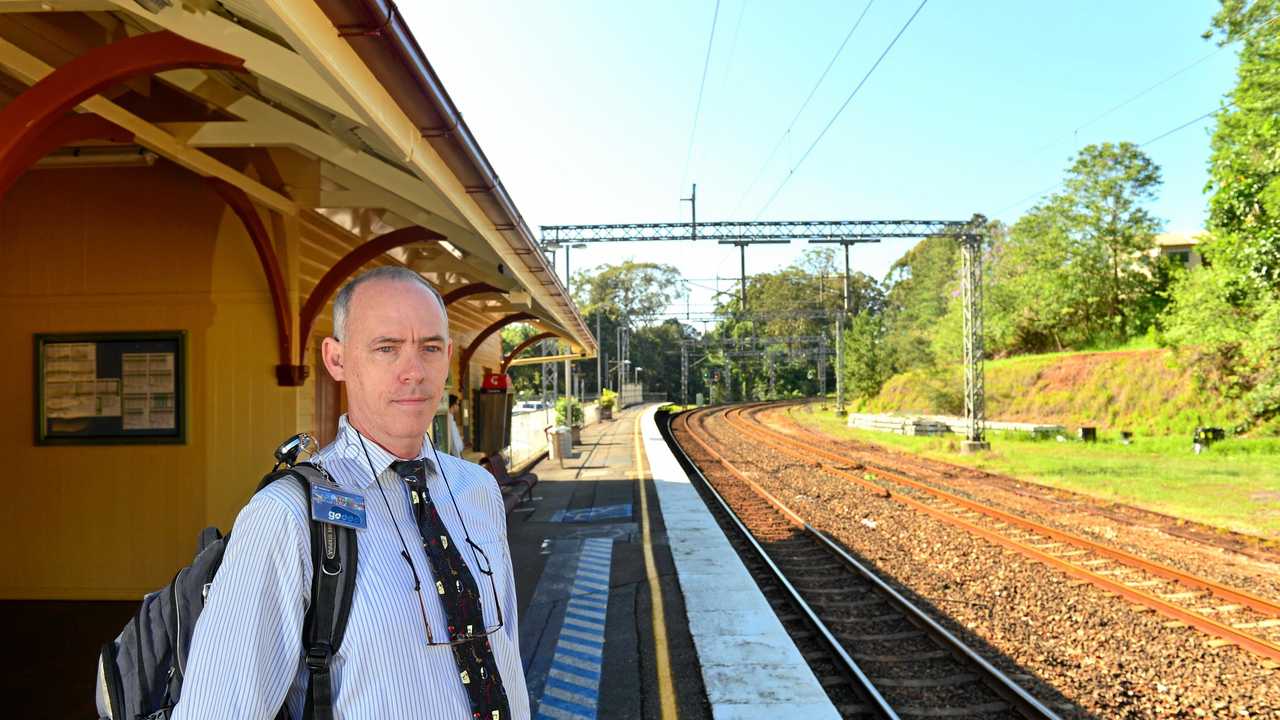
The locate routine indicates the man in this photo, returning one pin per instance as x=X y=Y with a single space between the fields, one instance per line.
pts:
x=392 y=349
x=454 y=421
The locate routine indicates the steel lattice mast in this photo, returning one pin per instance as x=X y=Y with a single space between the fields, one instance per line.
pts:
x=974 y=390
x=845 y=232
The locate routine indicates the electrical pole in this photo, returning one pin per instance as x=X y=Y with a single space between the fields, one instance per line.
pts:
x=693 y=207
x=846 y=242
x=599 y=362
x=773 y=374
x=974 y=392
x=822 y=369
x=742 y=256
x=840 y=410
x=684 y=372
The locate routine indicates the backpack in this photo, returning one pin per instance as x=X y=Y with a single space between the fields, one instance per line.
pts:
x=140 y=673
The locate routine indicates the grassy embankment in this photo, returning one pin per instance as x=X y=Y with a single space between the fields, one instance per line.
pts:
x=1234 y=485
x=1141 y=390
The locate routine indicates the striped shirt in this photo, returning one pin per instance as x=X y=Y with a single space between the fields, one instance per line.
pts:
x=247 y=656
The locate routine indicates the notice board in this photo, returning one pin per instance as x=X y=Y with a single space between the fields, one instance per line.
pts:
x=110 y=388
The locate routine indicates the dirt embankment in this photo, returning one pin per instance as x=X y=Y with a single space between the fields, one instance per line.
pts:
x=1145 y=391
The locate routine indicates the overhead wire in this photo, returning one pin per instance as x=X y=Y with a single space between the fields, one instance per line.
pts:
x=1131 y=99
x=787 y=133
x=697 y=108
x=1136 y=96
x=852 y=95
x=1161 y=136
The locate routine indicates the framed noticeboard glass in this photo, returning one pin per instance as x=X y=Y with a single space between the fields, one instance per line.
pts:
x=110 y=388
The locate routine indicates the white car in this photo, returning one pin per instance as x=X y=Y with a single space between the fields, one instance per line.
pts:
x=529 y=406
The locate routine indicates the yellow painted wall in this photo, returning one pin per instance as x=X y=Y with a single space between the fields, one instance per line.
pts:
x=131 y=250
x=111 y=250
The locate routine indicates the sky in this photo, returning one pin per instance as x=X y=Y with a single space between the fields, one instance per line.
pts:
x=590 y=111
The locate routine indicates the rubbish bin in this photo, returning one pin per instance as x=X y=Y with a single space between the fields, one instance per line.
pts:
x=559 y=443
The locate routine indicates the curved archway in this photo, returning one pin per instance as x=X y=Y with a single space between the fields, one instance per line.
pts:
x=506 y=361
x=25 y=120
x=477 y=288
x=347 y=266
x=464 y=362
x=63 y=131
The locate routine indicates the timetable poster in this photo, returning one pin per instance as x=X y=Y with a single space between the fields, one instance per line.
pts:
x=109 y=388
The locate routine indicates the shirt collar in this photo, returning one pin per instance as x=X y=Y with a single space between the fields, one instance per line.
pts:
x=353 y=449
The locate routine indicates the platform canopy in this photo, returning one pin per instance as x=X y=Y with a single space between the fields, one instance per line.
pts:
x=356 y=130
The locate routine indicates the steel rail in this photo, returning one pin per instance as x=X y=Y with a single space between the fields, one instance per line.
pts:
x=850 y=666
x=1260 y=604
x=807 y=451
x=1011 y=691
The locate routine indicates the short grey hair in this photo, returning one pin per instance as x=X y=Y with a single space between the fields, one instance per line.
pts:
x=395 y=273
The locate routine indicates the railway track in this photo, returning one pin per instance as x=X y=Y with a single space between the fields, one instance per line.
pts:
x=1229 y=615
x=895 y=658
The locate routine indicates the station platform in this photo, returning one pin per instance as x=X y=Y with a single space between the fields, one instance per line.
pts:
x=615 y=528
x=608 y=532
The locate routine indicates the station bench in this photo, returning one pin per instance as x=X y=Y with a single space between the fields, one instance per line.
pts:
x=514 y=489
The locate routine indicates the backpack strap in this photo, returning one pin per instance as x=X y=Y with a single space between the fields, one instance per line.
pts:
x=333 y=581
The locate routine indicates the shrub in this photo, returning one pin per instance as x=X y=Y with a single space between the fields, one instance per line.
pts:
x=568 y=411
x=608 y=399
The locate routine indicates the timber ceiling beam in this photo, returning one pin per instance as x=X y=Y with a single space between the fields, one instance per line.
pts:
x=262 y=56
x=267 y=126
x=31 y=70
x=44 y=6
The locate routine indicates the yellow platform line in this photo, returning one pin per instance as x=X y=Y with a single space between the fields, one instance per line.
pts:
x=666 y=691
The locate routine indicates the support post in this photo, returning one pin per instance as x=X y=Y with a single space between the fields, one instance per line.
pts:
x=684 y=372
x=742 y=262
x=693 y=203
x=840 y=409
x=974 y=391
x=599 y=362
x=846 y=276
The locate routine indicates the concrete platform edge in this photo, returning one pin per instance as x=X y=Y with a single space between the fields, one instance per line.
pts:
x=750 y=666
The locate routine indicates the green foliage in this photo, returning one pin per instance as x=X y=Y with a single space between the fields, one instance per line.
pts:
x=630 y=292
x=921 y=284
x=866 y=366
x=1143 y=391
x=608 y=399
x=1225 y=319
x=568 y=411
x=1077 y=269
x=525 y=379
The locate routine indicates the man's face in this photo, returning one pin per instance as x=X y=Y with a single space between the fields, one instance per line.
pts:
x=394 y=360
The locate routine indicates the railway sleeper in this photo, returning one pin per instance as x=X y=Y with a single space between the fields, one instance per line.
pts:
x=952 y=712
x=919 y=682
x=914 y=657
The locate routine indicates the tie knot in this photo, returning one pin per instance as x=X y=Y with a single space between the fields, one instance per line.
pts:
x=411 y=471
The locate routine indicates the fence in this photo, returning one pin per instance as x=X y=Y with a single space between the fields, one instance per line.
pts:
x=528 y=436
x=631 y=394
x=528 y=431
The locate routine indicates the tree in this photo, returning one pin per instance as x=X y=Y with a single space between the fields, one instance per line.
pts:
x=1244 y=168
x=1104 y=216
x=1077 y=269
x=634 y=293
x=630 y=295
x=1225 y=317
x=526 y=379
x=865 y=365
x=920 y=285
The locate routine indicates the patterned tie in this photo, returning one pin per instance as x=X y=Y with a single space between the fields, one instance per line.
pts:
x=458 y=594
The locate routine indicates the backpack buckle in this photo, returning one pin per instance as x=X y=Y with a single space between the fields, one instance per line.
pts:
x=319 y=656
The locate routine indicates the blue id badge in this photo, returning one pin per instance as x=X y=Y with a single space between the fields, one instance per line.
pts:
x=335 y=506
